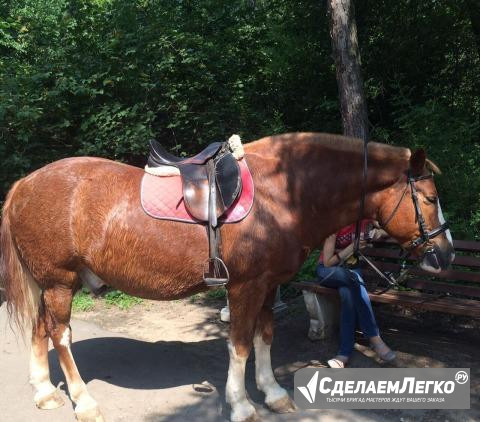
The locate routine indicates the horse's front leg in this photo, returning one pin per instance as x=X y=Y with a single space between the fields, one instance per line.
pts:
x=276 y=397
x=245 y=302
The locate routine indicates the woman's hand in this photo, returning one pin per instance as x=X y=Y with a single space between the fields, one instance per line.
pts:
x=362 y=244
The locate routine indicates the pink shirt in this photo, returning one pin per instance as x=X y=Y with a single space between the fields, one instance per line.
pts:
x=346 y=235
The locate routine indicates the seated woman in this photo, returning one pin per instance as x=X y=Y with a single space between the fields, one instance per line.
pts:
x=340 y=270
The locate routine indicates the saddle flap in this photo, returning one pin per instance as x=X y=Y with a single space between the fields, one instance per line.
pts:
x=196 y=190
x=229 y=181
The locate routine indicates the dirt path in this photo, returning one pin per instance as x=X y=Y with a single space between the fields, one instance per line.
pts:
x=168 y=362
x=178 y=320
x=426 y=340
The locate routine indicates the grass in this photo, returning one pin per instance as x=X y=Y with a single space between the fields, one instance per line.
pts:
x=215 y=294
x=82 y=301
x=121 y=300
x=220 y=293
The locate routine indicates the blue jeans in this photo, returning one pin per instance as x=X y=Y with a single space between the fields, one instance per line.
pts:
x=355 y=302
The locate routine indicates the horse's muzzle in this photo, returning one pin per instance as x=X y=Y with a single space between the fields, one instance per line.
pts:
x=436 y=258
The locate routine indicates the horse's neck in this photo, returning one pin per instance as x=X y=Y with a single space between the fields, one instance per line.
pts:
x=328 y=185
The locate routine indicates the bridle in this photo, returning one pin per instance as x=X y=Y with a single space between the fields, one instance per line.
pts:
x=425 y=234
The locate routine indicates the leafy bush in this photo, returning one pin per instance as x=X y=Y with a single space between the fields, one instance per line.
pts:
x=101 y=77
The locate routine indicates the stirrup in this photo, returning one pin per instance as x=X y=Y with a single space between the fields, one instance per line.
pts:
x=215 y=272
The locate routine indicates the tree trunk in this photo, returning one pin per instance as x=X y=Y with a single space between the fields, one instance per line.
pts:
x=473 y=8
x=343 y=31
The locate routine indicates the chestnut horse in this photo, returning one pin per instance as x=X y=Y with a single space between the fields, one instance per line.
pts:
x=80 y=218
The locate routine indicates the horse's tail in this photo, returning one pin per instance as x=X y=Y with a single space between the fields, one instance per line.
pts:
x=21 y=291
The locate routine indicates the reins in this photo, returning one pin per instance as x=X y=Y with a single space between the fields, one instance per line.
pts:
x=357 y=253
x=356 y=246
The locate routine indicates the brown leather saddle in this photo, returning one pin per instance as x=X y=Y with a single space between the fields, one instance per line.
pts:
x=211 y=183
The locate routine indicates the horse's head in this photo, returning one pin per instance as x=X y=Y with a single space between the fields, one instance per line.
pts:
x=413 y=216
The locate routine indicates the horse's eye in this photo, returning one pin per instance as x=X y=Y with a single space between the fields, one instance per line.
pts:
x=431 y=199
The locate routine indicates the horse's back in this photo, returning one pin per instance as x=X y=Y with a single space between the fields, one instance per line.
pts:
x=58 y=190
x=48 y=207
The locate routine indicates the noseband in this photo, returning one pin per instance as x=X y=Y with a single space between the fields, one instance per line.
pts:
x=425 y=234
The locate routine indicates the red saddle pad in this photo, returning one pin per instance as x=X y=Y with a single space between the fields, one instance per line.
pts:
x=162 y=198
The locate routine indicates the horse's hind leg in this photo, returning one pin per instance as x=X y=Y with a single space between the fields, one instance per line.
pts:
x=46 y=395
x=276 y=397
x=58 y=303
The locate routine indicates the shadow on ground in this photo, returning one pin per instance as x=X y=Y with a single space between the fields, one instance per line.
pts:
x=137 y=364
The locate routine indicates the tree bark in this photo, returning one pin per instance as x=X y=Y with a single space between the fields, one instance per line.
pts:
x=473 y=8
x=343 y=32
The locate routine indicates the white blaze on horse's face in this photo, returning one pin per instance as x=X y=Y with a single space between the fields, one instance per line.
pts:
x=447 y=232
x=443 y=255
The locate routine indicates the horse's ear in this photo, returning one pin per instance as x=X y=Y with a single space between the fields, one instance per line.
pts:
x=417 y=162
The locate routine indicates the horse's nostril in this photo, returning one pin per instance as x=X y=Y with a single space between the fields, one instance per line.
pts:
x=431 y=259
x=444 y=256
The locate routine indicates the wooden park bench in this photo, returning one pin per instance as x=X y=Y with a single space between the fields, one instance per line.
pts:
x=454 y=291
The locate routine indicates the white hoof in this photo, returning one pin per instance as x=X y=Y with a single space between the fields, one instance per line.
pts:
x=89 y=415
x=87 y=410
x=244 y=412
x=283 y=405
x=49 y=401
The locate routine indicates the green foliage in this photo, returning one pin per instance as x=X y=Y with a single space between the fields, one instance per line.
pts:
x=457 y=152
x=101 y=77
x=217 y=294
x=307 y=272
x=212 y=294
x=121 y=300
x=83 y=301
x=194 y=298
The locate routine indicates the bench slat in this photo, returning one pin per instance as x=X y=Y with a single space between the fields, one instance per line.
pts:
x=456 y=275
x=468 y=261
x=435 y=286
x=466 y=245
x=416 y=300
x=444 y=287
x=459 y=245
